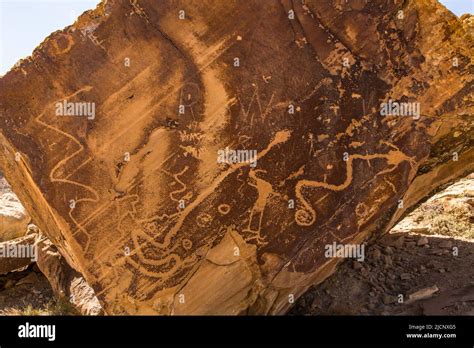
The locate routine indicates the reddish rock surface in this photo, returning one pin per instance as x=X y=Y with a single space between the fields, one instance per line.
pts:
x=133 y=195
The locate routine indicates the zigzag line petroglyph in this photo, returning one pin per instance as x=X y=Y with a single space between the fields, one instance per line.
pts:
x=63 y=162
x=183 y=185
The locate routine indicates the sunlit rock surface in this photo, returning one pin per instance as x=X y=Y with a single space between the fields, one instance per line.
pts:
x=131 y=191
x=13 y=218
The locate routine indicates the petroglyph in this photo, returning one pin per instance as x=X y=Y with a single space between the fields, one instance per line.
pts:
x=136 y=198
x=307 y=215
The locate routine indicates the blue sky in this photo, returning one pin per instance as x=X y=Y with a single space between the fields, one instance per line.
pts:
x=25 y=23
x=459 y=7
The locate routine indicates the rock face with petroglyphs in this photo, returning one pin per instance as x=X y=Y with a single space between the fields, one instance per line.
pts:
x=196 y=157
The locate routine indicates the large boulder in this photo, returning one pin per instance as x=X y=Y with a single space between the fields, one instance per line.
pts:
x=17 y=254
x=67 y=284
x=119 y=136
x=13 y=217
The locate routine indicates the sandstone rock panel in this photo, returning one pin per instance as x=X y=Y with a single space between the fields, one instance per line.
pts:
x=133 y=194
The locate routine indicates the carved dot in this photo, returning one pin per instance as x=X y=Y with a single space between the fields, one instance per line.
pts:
x=361 y=209
x=203 y=220
x=224 y=209
x=304 y=218
x=187 y=244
